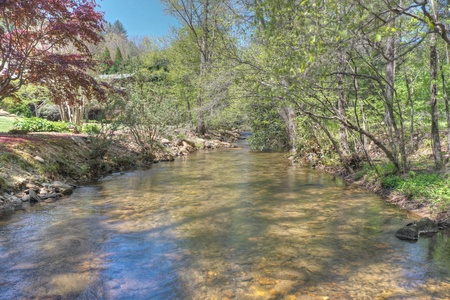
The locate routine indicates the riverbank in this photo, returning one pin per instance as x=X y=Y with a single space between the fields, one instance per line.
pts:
x=425 y=193
x=423 y=190
x=34 y=166
x=43 y=167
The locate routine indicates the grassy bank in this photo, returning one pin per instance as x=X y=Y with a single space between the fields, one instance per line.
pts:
x=6 y=123
x=38 y=158
x=421 y=188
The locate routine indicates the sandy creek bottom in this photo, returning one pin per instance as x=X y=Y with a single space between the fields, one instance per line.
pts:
x=229 y=224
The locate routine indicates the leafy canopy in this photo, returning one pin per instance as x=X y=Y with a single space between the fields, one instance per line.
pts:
x=46 y=43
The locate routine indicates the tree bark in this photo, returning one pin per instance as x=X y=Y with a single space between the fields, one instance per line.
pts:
x=410 y=92
x=433 y=104
x=343 y=137
x=396 y=138
x=447 y=108
x=288 y=115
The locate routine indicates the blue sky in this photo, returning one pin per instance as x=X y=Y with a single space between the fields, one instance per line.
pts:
x=139 y=17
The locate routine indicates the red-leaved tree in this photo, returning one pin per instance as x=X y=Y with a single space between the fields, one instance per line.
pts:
x=45 y=42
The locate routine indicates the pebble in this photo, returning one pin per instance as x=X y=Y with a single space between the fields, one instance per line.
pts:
x=246 y=278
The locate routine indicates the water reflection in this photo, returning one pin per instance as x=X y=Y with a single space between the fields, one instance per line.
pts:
x=220 y=225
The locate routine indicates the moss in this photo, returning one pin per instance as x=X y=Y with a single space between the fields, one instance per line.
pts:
x=3 y=184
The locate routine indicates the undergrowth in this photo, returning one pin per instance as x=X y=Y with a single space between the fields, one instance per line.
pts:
x=40 y=125
x=430 y=187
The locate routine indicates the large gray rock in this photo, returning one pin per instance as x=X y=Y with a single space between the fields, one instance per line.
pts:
x=16 y=202
x=408 y=232
x=62 y=188
x=413 y=230
x=425 y=226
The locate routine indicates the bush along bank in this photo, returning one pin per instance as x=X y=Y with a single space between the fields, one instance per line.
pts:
x=44 y=167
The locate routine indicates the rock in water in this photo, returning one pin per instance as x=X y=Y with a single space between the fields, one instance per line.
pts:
x=34 y=198
x=408 y=232
x=413 y=230
x=62 y=188
x=425 y=226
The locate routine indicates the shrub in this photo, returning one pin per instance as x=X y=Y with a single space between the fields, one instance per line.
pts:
x=90 y=128
x=40 y=125
x=18 y=108
x=433 y=187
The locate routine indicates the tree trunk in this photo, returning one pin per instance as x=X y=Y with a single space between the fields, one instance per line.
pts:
x=204 y=64
x=191 y=123
x=433 y=104
x=201 y=127
x=356 y=127
x=343 y=138
x=288 y=114
x=447 y=109
x=335 y=145
x=395 y=137
x=62 y=112
x=410 y=92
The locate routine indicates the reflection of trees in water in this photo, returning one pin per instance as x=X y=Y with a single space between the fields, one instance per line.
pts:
x=439 y=249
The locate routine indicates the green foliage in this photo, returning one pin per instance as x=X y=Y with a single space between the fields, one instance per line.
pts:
x=7 y=157
x=433 y=187
x=3 y=184
x=269 y=130
x=20 y=103
x=40 y=125
x=381 y=172
x=90 y=128
x=6 y=124
x=48 y=169
x=12 y=158
x=146 y=112
x=105 y=62
x=117 y=27
x=118 y=61
x=18 y=108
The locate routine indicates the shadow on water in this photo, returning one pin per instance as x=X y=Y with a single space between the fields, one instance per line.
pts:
x=228 y=224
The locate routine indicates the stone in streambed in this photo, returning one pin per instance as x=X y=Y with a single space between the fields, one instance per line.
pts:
x=408 y=232
x=34 y=198
x=246 y=278
x=62 y=188
x=426 y=226
x=16 y=202
x=413 y=230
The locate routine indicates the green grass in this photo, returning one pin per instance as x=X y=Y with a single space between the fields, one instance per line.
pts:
x=422 y=186
x=6 y=123
x=433 y=188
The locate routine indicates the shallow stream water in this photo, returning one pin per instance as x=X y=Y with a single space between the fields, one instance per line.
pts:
x=228 y=224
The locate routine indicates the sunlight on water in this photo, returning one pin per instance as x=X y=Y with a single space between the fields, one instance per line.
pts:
x=229 y=224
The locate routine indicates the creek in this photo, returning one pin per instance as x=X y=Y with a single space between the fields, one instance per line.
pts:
x=219 y=225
